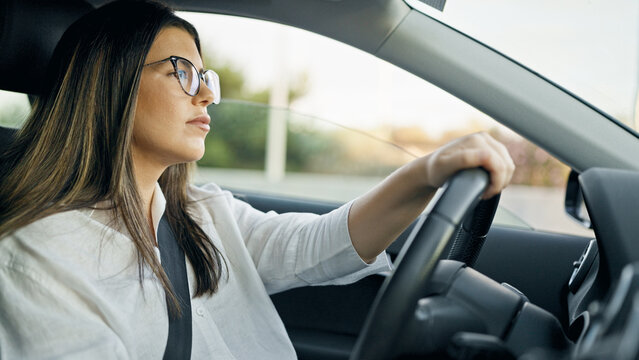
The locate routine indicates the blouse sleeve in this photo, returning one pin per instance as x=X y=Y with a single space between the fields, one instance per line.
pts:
x=297 y=249
x=40 y=319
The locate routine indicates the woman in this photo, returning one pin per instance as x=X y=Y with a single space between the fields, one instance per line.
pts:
x=106 y=153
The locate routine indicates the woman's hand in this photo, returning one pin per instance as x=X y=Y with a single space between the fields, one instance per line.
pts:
x=476 y=150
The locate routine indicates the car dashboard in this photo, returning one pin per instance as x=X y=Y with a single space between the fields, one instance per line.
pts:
x=602 y=297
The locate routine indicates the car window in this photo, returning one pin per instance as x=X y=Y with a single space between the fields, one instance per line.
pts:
x=307 y=116
x=14 y=108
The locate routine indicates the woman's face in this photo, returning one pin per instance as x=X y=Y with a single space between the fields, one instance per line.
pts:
x=169 y=125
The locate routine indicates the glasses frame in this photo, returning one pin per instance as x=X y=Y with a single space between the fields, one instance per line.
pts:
x=174 y=59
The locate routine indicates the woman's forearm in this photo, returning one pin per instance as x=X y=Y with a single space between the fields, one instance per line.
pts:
x=378 y=217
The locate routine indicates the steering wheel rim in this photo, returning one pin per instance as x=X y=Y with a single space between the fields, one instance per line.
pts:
x=396 y=300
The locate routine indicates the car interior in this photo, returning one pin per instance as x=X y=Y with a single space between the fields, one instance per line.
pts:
x=461 y=288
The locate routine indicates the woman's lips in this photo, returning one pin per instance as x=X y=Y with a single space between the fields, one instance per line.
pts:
x=202 y=122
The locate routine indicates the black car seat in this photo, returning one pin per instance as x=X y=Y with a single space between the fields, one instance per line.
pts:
x=6 y=136
x=27 y=48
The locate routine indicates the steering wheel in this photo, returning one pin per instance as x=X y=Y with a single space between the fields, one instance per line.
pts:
x=397 y=298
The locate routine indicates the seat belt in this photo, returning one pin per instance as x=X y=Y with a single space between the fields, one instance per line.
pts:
x=178 y=345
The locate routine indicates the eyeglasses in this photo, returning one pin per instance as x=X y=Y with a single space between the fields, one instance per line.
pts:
x=189 y=77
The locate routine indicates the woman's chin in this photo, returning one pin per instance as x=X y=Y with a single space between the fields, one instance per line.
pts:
x=195 y=151
x=187 y=157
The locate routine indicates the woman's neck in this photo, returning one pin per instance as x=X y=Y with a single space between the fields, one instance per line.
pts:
x=146 y=176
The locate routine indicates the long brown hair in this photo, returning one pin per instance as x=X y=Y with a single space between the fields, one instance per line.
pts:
x=75 y=148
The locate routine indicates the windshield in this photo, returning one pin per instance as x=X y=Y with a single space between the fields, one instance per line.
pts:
x=589 y=47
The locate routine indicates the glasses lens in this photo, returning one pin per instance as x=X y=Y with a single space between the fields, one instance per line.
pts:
x=212 y=81
x=187 y=74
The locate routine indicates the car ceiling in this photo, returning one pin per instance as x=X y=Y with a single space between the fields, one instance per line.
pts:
x=361 y=23
x=508 y=92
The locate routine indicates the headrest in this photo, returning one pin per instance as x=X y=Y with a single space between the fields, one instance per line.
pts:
x=29 y=32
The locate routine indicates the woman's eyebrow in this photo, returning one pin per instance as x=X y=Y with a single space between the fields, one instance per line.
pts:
x=200 y=69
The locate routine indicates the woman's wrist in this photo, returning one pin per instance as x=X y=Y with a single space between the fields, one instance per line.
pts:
x=418 y=176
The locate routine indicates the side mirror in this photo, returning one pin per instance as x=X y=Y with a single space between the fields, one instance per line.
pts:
x=574 y=202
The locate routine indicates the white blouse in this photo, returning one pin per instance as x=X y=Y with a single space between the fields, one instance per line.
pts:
x=70 y=286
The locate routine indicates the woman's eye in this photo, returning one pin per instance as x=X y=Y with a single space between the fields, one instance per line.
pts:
x=182 y=74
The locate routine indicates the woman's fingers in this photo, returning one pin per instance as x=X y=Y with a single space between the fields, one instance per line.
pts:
x=476 y=150
x=498 y=163
x=508 y=164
